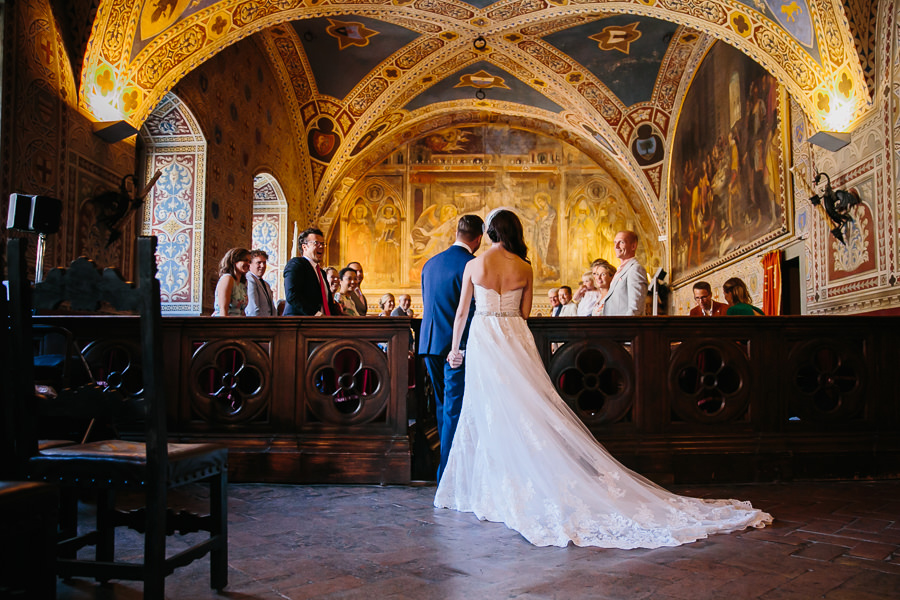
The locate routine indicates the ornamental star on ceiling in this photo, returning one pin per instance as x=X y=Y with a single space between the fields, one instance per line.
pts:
x=617 y=37
x=350 y=33
x=481 y=80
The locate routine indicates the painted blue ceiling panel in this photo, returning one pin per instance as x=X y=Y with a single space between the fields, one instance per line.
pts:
x=635 y=47
x=514 y=90
x=342 y=50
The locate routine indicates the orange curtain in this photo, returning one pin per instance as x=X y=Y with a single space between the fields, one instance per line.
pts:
x=771 y=263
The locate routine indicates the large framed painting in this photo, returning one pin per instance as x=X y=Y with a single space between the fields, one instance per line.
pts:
x=728 y=184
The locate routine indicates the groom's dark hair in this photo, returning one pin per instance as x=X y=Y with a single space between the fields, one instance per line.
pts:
x=469 y=227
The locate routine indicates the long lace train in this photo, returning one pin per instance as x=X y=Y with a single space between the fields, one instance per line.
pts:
x=522 y=457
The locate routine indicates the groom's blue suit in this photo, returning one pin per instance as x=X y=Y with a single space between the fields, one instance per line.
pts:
x=441 y=287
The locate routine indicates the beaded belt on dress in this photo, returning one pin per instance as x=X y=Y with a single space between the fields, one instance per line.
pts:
x=498 y=313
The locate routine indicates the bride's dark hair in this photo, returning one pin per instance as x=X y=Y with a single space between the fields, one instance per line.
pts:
x=506 y=228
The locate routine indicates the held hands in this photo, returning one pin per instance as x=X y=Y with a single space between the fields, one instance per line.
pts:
x=455 y=358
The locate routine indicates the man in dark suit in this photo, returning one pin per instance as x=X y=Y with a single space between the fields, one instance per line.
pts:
x=441 y=288
x=706 y=306
x=357 y=295
x=305 y=289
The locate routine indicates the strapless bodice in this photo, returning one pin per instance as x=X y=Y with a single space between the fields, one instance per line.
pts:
x=489 y=302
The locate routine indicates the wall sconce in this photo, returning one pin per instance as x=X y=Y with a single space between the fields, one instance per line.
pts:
x=112 y=208
x=830 y=140
x=113 y=131
x=836 y=203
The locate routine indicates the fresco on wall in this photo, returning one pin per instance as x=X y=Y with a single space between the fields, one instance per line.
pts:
x=726 y=183
x=569 y=206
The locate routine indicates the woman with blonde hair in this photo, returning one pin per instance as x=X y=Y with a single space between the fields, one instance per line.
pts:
x=738 y=298
x=603 y=273
x=387 y=304
x=231 y=290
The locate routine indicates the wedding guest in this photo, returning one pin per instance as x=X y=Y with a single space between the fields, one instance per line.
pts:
x=441 y=284
x=260 y=300
x=706 y=306
x=304 y=281
x=603 y=275
x=332 y=280
x=522 y=457
x=231 y=290
x=404 y=307
x=359 y=299
x=387 y=304
x=627 y=295
x=345 y=296
x=569 y=308
x=587 y=296
x=738 y=298
x=553 y=297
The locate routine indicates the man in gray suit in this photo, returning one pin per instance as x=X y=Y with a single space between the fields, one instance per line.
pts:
x=628 y=290
x=260 y=302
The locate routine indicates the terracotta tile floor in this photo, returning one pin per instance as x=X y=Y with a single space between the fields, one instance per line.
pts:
x=835 y=540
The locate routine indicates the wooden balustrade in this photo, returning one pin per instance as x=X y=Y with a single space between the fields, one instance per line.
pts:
x=675 y=398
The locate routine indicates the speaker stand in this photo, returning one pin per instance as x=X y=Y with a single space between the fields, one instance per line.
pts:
x=39 y=260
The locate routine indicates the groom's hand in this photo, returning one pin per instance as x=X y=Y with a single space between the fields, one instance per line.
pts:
x=455 y=358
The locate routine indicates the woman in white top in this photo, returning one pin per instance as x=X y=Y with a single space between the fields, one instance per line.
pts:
x=587 y=295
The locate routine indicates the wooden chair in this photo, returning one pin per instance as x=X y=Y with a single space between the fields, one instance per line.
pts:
x=151 y=467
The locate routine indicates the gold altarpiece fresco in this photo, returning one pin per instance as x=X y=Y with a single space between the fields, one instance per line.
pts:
x=405 y=210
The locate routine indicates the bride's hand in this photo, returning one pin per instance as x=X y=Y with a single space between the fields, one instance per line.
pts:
x=455 y=358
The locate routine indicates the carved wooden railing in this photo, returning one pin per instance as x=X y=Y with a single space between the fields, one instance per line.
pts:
x=677 y=399
x=734 y=399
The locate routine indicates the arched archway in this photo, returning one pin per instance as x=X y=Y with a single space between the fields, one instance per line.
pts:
x=269 y=229
x=135 y=54
x=175 y=146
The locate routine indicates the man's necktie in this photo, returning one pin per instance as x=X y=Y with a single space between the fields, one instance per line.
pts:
x=324 y=293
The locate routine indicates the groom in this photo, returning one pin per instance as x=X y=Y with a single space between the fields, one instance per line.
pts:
x=441 y=288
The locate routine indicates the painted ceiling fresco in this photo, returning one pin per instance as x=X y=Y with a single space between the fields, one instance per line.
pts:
x=361 y=77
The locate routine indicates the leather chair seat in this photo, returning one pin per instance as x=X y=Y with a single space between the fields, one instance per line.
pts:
x=122 y=463
x=49 y=444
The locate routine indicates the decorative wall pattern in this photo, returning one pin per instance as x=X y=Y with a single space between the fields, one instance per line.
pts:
x=47 y=145
x=863 y=275
x=269 y=231
x=175 y=210
x=237 y=101
x=406 y=210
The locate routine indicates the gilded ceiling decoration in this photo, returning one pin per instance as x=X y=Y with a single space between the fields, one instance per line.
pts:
x=606 y=76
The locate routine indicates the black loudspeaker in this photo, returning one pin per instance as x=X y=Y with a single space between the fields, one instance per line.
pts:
x=40 y=214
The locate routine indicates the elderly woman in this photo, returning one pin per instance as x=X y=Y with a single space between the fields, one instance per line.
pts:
x=603 y=273
x=231 y=290
x=738 y=298
x=387 y=304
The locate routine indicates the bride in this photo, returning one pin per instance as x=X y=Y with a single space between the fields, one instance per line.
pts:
x=520 y=456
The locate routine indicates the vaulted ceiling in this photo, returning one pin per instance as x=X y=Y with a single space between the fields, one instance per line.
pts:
x=599 y=75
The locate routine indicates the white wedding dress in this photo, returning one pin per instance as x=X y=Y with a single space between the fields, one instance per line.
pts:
x=521 y=457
